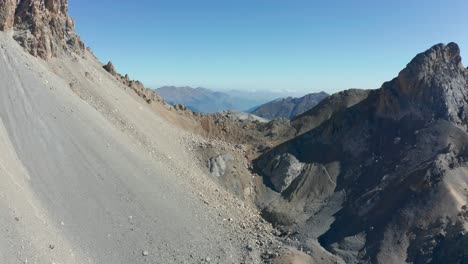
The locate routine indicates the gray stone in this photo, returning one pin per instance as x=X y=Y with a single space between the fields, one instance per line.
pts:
x=282 y=170
x=218 y=165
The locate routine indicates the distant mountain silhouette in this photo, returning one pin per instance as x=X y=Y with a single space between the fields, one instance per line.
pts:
x=289 y=107
x=209 y=101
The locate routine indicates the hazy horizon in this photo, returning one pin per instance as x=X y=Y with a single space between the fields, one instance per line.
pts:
x=262 y=45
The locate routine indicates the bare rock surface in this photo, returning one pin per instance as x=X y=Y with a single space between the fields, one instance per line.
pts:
x=42 y=27
x=282 y=170
x=218 y=164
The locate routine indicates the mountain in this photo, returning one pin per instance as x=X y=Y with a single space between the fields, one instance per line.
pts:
x=384 y=180
x=207 y=101
x=97 y=168
x=327 y=108
x=289 y=107
x=198 y=99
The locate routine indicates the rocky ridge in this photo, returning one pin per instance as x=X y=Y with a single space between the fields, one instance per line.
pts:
x=138 y=87
x=328 y=107
x=289 y=107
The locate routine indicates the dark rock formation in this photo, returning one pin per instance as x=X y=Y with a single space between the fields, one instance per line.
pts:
x=42 y=27
x=387 y=179
x=327 y=108
x=109 y=67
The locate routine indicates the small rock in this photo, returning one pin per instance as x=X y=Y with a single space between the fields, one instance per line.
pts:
x=207 y=259
x=145 y=253
x=249 y=247
x=109 y=67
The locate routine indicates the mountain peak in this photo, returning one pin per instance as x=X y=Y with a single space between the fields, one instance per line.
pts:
x=433 y=85
x=449 y=53
x=438 y=57
x=42 y=27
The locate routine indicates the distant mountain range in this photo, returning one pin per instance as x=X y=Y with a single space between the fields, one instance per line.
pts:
x=210 y=101
x=197 y=99
x=289 y=107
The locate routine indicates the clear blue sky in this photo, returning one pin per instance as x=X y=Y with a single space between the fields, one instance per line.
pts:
x=301 y=45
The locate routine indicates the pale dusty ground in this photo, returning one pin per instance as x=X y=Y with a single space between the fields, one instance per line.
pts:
x=90 y=174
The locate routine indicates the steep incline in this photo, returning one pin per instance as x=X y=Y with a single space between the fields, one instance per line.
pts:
x=89 y=172
x=87 y=189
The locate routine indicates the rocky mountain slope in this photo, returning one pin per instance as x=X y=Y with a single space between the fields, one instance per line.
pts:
x=91 y=171
x=96 y=168
x=385 y=180
x=289 y=107
x=327 y=108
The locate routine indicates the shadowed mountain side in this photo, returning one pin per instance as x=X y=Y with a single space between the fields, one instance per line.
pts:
x=384 y=181
x=289 y=107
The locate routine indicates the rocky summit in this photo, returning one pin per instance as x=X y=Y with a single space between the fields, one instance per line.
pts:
x=385 y=180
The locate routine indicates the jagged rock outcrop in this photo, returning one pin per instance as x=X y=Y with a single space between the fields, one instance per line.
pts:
x=138 y=87
x=432 y=86
x=109 y=67
x=390 y=177
x=42 y=27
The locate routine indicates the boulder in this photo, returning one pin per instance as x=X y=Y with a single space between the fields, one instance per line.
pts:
x=109 y=67
x=282 y=170
x=217 y=165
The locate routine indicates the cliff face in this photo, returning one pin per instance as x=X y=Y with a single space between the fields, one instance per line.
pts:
x=7 y=14
x=42 y=27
